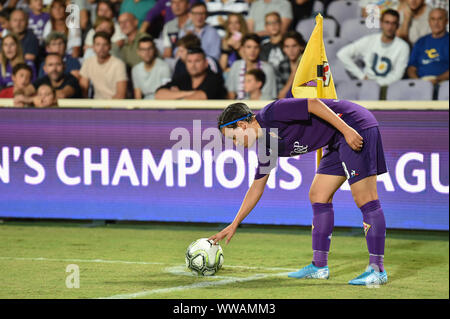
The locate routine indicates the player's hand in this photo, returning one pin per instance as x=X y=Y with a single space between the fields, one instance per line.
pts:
x=353 y=139
x=227 y=232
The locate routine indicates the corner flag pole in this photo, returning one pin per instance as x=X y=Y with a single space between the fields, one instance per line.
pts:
x=320 y=75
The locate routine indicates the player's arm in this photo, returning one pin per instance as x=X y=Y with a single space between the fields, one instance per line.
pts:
x=252 y=197
x=321 y=110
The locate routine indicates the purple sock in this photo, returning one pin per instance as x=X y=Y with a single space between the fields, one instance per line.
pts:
x=375 y=231
x=322 y=228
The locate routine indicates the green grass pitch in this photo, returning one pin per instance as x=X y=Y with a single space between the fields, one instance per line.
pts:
x=127 y=260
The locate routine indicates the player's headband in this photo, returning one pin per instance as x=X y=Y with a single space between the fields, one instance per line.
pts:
x=239 y=119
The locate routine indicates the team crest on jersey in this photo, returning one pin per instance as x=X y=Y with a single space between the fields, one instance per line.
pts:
x=366 y=228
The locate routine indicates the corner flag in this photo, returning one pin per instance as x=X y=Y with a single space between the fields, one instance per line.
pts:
x=313 y=77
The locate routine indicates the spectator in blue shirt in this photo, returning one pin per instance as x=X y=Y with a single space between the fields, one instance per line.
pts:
x=210 y=39
x=56 y=42
x=430 y=55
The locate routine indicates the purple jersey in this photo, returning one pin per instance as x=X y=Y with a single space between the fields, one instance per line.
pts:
x=300 y=132
x=37 y=23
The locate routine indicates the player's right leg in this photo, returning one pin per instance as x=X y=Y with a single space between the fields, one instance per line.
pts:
x=321 y=195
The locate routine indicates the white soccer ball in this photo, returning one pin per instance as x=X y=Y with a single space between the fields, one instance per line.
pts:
x=204 y=258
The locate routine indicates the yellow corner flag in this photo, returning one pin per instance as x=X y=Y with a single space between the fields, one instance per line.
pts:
x=313 y=77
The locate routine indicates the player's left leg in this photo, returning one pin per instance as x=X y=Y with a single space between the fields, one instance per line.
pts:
x=361 y=169
x=366 y=198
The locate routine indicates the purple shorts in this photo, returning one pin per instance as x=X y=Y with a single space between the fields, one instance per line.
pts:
x=339 y=159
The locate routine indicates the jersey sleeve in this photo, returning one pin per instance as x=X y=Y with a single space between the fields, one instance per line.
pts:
x=264 y=168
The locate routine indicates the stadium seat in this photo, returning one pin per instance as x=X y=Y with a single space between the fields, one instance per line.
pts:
x=306 y=26
x=443 y=91
x=354 y=29
x=332 y=46
x=339 y=73
x=318 y=7
x=358 y=90
x=412 y=89
x=342 y=10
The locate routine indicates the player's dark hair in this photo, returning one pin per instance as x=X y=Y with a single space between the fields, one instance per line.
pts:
x=391 y=12
x=258 y=74
x=21 y=66
x=233 y=112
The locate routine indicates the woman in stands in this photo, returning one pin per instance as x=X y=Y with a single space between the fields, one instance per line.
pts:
x=11 y=54
x=236 y=29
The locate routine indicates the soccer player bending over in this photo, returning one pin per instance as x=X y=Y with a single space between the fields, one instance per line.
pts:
x=354 y=152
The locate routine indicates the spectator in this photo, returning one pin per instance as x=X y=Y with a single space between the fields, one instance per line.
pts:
x=11 y=55
x=293 y=47
x=65 y=84
x=253 y=83
x=106 y=72
x=220 y=10
x=18 y=23
x=301 y=9
x=104 y=10
x=258 y=11
x=137 y=8
x=129 y=26
x=414 y=21
x=21 y=77
x=56 y=43
x=207 y=34
x=45 y=97
x=199 y=84
x=271 y=50
x=235 y=29
x=84 y=7
x=4 y=21
x=162 y=9
x=382 y=5
x=37 y=18
x=235 y=78
x=104 y=25
x=57 y=22
x=187 y=42
x=430 y=57
x=385 y=56
x=172 y=29
x=151 y=73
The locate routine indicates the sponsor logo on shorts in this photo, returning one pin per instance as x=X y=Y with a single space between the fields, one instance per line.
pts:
x=354 y=174
x=299 y=149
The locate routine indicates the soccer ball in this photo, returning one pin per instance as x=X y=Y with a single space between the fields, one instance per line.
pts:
x=204 y=258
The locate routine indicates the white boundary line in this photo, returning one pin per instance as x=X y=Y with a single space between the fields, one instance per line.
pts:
x=204 y=284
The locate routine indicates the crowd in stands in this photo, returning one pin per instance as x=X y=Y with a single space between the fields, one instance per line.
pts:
x=215 y=49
